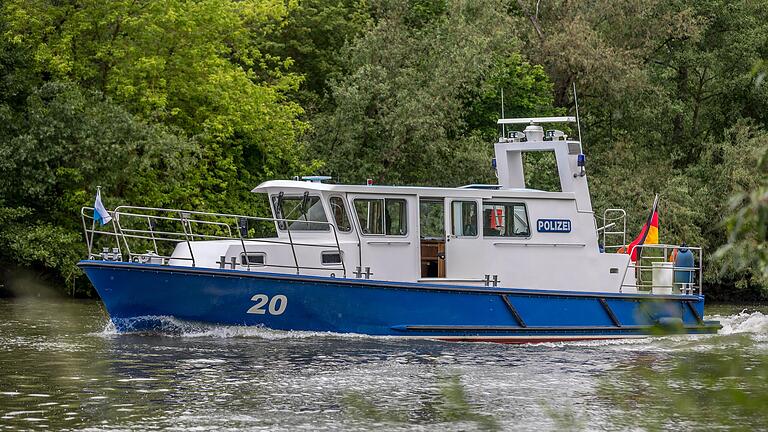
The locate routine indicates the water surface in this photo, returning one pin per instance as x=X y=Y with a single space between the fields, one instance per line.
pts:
x=62 y=366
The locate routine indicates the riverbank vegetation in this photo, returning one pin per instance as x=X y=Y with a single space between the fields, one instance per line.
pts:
x=190 y=104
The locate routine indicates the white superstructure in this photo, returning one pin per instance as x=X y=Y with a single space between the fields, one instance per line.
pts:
x=505 y=235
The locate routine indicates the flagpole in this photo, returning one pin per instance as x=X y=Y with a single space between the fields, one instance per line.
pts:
x=93 y=227
x=654 y=209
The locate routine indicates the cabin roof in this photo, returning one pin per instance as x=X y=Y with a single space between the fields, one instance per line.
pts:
x=466 y=191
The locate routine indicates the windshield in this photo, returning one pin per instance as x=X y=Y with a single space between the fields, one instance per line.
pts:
x=300 y=208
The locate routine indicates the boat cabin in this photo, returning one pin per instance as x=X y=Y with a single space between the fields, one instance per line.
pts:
x=488 y=235
x=508 y=234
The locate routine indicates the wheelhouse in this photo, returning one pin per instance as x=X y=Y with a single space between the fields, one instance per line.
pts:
x=474 y=234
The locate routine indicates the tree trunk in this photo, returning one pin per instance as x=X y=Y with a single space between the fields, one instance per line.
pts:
x=678 y=122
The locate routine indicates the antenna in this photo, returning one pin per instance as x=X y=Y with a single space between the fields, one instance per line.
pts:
x=578 y=123
x=503 y=127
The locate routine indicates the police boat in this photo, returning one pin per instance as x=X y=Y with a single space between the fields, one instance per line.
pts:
x=497 y=263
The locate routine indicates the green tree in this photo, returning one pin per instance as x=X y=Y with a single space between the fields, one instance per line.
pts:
x=525 y=87
x=670 y=104
x=191 y=65
x=417 y=89
x=62 y=144
x=747 y=248
x=312 y=37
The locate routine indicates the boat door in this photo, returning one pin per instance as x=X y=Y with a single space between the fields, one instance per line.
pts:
x=432 y=237
x=464 y=251
x=388 y=229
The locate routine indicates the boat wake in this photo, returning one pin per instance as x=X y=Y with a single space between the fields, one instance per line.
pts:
x=750 y=324
x=173 y=327
x=753 y=324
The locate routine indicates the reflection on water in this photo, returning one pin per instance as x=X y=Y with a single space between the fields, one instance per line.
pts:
x=721 y=381
x=62 y=366
x=450 y=406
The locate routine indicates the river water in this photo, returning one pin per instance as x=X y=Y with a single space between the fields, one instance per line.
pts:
x=62 y=366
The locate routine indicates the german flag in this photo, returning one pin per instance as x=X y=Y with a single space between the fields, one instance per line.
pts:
x=649 y=234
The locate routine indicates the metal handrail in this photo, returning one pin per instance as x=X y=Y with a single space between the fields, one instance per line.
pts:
x=640 y=269
x=620 y=217
x=170 y=257
x=187 y=218
x=150 y=217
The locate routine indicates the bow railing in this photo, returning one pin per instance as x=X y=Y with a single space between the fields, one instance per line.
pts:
x=151 y=235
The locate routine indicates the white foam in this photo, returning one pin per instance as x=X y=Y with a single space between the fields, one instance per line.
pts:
x=173 y=327
x=108 y=331
x=629 y=340
x=755 y=324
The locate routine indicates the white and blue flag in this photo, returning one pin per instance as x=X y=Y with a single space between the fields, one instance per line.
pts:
x=100 y=214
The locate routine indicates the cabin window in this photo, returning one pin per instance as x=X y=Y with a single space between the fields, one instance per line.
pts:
x=370 y=214
x=340 y=215
x=396 y=217
x=306 y=212
x=253 y=258
x=382 y=216
x=464 y=217
x=330 y=257
x=431 y=217
x=505 y=220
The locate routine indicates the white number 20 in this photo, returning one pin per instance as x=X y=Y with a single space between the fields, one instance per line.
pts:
x=277 y=304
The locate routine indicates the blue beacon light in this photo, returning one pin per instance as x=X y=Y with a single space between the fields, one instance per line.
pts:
x=581 y=162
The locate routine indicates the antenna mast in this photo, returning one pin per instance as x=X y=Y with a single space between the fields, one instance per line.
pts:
x=503 y=127
x=578 y=123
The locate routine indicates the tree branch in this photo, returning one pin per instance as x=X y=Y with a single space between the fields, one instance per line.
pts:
x=534 y=18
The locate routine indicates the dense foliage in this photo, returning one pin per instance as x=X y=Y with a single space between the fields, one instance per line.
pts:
x=192 y=103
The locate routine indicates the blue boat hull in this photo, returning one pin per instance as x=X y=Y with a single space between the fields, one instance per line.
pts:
x=135 y=293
